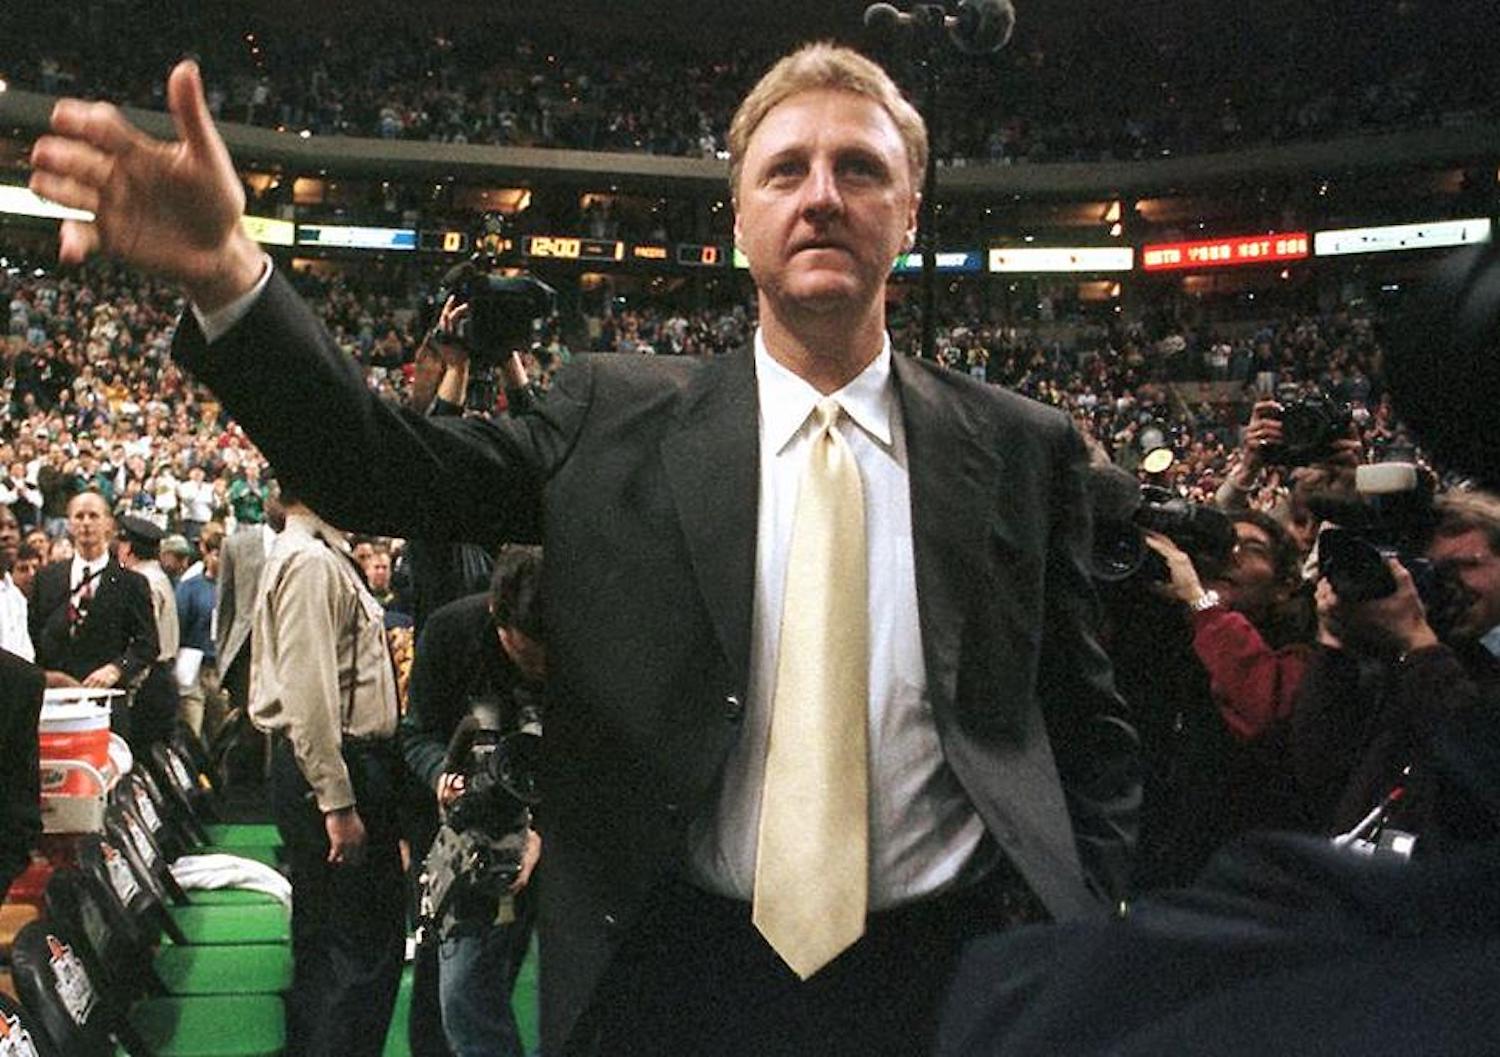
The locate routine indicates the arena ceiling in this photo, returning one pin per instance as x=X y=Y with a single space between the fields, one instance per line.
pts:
x=776 y=20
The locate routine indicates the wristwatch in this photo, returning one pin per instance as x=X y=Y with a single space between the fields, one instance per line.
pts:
x=1207 y=600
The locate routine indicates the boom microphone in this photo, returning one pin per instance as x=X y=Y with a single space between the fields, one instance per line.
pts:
x=980 y=27
x=983 y=26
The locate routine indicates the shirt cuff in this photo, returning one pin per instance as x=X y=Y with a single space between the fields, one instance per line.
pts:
x=333 y=794
x=220 y=321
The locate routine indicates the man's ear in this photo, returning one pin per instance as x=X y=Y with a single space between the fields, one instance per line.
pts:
x=912 y=221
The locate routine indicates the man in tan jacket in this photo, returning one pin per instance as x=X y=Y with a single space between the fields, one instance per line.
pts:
x=321 y=683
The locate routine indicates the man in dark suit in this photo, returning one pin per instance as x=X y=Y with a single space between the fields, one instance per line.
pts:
x=21 y=686
x=91 y=620
x=690 y=511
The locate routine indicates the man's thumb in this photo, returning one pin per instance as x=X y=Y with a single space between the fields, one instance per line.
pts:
x=195 y=125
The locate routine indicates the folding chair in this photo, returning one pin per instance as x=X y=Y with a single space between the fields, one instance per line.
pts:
x=174 y=969
x=183 y=920
x=138 y=795
x=20 y=1034
x=66 y=988
x=189 y=792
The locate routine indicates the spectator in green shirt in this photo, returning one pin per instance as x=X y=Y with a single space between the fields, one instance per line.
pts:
x=247 y=495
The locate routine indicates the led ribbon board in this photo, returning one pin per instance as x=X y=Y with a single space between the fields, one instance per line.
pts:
x=1394 y=238
x=958 y=261
x=1221 y=253
x=349 y=237
x=1041 y=259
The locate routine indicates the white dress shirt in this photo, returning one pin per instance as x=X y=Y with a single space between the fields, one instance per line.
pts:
x=14 y=634
x=93 y=569
x=923 y=828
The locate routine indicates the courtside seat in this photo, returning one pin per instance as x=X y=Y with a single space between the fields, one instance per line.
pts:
x=211 y=925
x=214 y=1026
x=253 y=968
x=230 y=897
x=18 y=1028
x=184 y=919
x=246 y=834
x=85 y=1017
x=124 y=934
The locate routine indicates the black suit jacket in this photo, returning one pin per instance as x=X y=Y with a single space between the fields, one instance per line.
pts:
x=640 y=476
x=120 y=628
x=21 y=686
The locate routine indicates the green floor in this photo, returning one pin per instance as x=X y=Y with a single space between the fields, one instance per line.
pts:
x=524 y=1002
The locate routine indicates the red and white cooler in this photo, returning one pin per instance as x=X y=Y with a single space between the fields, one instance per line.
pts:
x=77 y=768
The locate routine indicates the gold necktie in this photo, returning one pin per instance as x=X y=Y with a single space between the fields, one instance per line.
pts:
x=812 y=857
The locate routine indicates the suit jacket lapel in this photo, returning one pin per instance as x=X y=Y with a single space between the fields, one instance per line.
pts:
x=712 y=462
x=105 y=586
x=953 y=478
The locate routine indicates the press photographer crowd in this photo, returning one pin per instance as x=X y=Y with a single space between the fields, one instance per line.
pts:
x=745 y=661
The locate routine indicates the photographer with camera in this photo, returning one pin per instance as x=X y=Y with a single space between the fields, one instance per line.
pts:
x=1247 y=631
x=1288 y=453
x=477 y=675
x=1397 y=664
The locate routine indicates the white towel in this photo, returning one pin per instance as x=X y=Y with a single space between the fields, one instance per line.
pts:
x=231 y=871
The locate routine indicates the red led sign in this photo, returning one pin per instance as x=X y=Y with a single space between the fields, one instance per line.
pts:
x=1218 y=253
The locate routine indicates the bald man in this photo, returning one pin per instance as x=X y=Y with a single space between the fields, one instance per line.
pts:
x=91 y=620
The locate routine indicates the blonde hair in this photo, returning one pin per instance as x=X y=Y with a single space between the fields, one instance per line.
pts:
x=1464 y=511
x=825 y=65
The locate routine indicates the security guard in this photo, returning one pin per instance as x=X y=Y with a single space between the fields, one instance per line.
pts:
x=154 y=714
x=321 y=682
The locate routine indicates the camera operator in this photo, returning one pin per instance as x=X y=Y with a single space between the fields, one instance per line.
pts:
x=441 y=380
x=439 y=571
x=482 y=648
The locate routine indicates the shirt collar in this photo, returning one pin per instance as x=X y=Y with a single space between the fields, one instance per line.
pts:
x=786 y=400
x=1491 y=640
x=83 y=568
x=313 y=525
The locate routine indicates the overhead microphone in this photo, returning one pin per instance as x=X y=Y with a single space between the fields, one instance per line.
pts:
x=980 y=27
x=983 y=26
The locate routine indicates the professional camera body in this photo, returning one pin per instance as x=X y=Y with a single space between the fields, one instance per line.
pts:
x=1123 y=509
x=502 y=308
x=477 y=853
x=1309 y=427
x=1391 y=515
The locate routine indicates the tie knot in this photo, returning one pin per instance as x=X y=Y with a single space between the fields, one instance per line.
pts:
x=828 y=411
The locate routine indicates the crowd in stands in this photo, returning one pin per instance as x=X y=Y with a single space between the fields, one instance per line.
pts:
x=93 y=399
x=1116 y=88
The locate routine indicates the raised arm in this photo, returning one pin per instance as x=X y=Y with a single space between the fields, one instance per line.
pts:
x=174 y=209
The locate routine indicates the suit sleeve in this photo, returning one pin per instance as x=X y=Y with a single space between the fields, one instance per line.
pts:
x=21 y=686
x=1097 y=750
x=138 y=620
x=43 y=609
x=365 y=464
